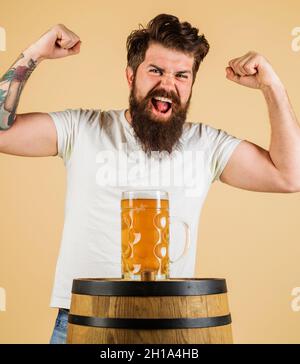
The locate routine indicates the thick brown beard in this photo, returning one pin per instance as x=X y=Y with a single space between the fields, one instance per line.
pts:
x=157 y=135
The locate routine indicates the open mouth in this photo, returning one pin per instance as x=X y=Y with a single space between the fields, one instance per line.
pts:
x=161 y=105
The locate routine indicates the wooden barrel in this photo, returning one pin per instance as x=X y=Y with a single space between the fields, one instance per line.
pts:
x=174 y=311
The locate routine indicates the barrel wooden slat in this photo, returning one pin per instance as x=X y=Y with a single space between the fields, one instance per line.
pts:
x=221 y=335
x=128 y=307
x=149 y=307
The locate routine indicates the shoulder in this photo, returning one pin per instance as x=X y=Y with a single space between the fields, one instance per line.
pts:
x=92 y=116
x=87 y=115
x=205 y=132
x=198 y=132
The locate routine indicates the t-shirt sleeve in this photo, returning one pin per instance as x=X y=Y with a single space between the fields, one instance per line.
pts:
x=68 y=125
x=220 y=148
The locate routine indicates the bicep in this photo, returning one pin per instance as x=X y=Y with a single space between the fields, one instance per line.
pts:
x=31 y=135
x=251 y=168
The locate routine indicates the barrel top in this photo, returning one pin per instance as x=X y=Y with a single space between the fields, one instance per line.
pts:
x=168 y=287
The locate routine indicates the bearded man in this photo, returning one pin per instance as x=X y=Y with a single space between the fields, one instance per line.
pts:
x=107 y=152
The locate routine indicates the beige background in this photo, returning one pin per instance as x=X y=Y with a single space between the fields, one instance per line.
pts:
x=251 y=239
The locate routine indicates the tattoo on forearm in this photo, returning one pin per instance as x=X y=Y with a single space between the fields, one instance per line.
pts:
x=11 y=87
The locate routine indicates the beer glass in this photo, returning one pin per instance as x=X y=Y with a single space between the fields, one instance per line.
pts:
x=145 y=235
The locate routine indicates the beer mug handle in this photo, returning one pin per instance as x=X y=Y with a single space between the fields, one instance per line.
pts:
x=187 y=237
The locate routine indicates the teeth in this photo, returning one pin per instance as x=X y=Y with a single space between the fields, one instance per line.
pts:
x=163 y=99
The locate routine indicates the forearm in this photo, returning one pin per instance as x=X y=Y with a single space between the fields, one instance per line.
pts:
x=12 y=84
x=285 y=133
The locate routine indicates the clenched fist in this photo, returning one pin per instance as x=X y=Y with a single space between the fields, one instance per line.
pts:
x=252 y=70
x=57 y=42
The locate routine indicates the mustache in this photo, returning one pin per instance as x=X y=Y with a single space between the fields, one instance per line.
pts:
x=163 y=93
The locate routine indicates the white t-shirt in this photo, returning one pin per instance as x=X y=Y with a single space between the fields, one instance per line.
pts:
x=102 y=159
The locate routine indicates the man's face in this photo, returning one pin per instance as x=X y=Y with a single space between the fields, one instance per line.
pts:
x=159 y=97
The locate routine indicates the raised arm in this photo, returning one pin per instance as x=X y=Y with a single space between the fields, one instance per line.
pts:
x=31 y=134
x=252 y=167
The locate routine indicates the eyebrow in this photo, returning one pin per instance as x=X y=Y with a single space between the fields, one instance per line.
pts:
x=162 y=70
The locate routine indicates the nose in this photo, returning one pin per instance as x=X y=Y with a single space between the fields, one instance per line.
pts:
x=167 y=81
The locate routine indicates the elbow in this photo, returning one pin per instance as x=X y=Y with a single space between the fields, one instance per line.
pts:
x=3 y=140
x=293 y=189
x=4 y=127
x=292 y=185
x=6 y=120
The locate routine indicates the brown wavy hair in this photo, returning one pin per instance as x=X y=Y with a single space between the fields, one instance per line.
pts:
x=168 y=31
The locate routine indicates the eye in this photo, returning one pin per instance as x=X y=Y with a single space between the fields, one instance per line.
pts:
x=154 y=70
x=181 y=75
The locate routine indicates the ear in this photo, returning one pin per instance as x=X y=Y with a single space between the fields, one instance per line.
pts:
x=129 y=76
